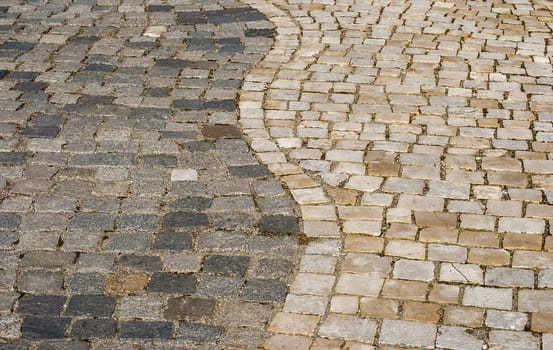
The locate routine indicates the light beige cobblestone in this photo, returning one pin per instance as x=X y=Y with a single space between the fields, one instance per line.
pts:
x=427 y=142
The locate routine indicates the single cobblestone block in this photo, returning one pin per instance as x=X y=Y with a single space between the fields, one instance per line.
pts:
x=14 y=158
x=142 y=222
x=44 y=327
x=129 y=242
x=464 y=273
x=199 y=332
x=47 y=260
x=226 y=265
x=414 y=270
x=264 y=291
x=399 y=289
x=463 y=316
x=189 y=308
x=93 y=305
x=173 y=241
x=145 y=330
x=179 y=220
x=172 y=283
x=92 y=222
x=9 y=221
x=509 y=277
x=535 y=300
x=495 y=298
x=48 y=305
x=279 y=224
x=245 y=314
x=221 y=131
x=86 y=283
x=510 y=320
x=249 y=171
x=93 y=329
x=10 y=327
x=285 y=322
x=348 y=327
x=41 y=282
x=141 y=307
x=126 y=283
x=423 y=312
x=141 y=262
x=408 y=333
x=192 y=204
x=513 y=340
x=457 y=338
x=219 y=286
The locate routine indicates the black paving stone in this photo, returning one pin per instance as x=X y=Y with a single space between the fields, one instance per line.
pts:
x=192 y=203
x=157 y=92
x=199 y=332
x=146 y=330
x=40 y=132
x=172 y=62
x=279 y=224
x=141 y=262
x=177 y=220
x=48 y=305
x=192 y=17
x=259 y=33
x=85 y=40
x=22 y=75
x=64 y=345
x=188 y=104
x=34 y=327
x=93 y=329
x=224 y=105
x=92 y=305
x=9 y=221
x=159 y=8
x=11 y=158
x=264 y=291
x=17 y=46
x=172 y=283
x=249 y=171
x=31 y=86
x=3 y=73
x=173 y=241
x=226 y=265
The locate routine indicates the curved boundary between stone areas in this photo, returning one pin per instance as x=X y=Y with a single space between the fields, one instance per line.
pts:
x=319 y=217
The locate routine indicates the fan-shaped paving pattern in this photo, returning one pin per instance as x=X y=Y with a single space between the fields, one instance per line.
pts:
x=416 y=137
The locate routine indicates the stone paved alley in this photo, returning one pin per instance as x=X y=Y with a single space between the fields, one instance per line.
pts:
x=277 y=174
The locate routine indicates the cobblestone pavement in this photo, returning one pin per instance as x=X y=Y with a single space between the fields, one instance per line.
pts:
x=133 y=214
x=416 y=138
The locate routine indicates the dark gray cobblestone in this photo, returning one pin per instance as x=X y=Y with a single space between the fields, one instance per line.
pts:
x=133 y=215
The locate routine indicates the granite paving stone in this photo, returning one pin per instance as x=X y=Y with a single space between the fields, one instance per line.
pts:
x=125 y=176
